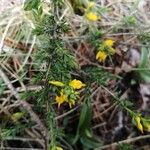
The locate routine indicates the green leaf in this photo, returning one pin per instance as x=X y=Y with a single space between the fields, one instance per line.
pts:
x=144 y=58
x=37 y=13
x=90 y=142
x=129 y=21
x=143 y=73
x=2 y=86
x=127 y=103
x=31 y=4
x=98 y=75
x=38 y=30
x=81 y=121
x=124 y=146
x=84 y=120
x=85 y=117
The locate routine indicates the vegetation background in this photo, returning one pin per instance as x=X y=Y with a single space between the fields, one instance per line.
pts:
x=74 y=74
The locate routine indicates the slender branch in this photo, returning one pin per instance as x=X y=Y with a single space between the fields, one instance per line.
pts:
x=67 y=113
x=124 y=141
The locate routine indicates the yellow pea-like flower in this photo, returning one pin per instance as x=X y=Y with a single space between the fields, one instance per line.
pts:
x=56 y=83
x=109 y=42
x=59 y=148
x=101 y=56
x=140 y=127
x=76 y=84
x=92 y=16
x=138 y=123
x=61 y=99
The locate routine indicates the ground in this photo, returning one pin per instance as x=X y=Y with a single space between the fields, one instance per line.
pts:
x=116 y=82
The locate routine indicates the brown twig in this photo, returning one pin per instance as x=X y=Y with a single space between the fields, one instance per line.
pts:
x=124 y=141
x=67 y=113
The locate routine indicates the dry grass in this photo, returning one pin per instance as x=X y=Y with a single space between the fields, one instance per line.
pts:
x=16 y=61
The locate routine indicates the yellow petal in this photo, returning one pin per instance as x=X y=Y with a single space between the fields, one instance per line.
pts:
x=56 y=83
x=59 y=148
x=140 y=127
x=76 y=84
x=61 y=99
x=109 y=42
x=92 y=16
x=101 y=56
x=137 y=119
x=138 y=123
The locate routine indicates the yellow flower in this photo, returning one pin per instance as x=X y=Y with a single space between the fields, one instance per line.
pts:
x=76 y=84
x=109 y=42
x=56 y=83
x=101 y=56
x=138 y=123
x=59 y=148
x=90 y=5
x=61 y=99
x=92 y=16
